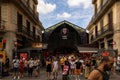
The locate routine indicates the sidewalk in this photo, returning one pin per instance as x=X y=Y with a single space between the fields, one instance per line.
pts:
x=42 y=76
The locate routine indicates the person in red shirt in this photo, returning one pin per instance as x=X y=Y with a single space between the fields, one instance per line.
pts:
x=21 y=66
x=65 y=71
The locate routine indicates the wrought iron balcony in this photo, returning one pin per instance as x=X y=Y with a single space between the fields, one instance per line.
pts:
x=106 y=30
x=102 y=9
x=27 y=9
x=22 y=30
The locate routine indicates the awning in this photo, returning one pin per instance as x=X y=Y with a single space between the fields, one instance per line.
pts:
x=28 y=49
x=87 y=50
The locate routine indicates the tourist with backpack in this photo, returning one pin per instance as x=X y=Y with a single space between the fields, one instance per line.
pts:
x=101 y=72
x=65 y=71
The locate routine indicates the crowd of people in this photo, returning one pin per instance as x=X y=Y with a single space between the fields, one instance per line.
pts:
x=69 y=66
x=20 y=66
x=89 y=67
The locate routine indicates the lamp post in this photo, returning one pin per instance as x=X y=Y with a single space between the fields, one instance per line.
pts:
x=15 y=45
x=15 y=48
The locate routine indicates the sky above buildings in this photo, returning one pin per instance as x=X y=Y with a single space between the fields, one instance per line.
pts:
x=78 y=12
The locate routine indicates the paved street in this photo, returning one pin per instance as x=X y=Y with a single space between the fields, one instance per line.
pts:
x=43 y=77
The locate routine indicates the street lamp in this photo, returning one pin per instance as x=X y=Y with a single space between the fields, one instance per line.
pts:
x=43 y=31
x=15 y=45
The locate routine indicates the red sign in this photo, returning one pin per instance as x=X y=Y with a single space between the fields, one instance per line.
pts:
x=105 y=54
x=4 y=40
x=24 y=55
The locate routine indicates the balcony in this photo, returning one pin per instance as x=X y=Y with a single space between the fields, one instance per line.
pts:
x=105 y=31
x=22 y=4
x=23 y=31
x=102 y=10
x=2 y=27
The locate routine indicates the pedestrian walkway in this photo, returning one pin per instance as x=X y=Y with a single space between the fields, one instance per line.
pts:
x=42 y=76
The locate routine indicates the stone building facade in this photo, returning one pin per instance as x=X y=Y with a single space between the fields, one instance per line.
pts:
x=104 y=27
x=19 y=25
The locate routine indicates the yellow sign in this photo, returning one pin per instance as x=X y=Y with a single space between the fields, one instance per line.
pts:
x=2 y=55
x=0 y=44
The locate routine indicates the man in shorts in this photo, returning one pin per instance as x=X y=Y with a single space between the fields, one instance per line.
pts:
x=15 y=67
x=55 y=68
x=78 y=67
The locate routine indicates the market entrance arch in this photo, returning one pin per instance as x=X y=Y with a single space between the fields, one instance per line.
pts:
x=64 y=37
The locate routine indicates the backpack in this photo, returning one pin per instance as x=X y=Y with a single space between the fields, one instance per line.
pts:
x=104 y=75
x=65 y=70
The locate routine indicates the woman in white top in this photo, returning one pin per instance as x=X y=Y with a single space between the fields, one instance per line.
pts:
x=55 y=68
x=115 y=64
x=118 y=62
x=72 y=67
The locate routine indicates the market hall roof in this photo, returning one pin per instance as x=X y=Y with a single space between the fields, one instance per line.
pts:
x=52 y=28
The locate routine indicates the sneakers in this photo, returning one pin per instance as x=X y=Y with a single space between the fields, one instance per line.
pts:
x=77 y=79
x=18 y=77
x=14 y=77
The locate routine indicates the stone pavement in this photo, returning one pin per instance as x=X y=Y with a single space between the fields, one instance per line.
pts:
x=42 y=76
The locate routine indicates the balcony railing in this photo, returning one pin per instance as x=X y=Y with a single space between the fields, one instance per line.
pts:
x=102 y=5
x=106 y=30
x=25 y=32
x=30 y=9
x=23 y=5
x=102 y=9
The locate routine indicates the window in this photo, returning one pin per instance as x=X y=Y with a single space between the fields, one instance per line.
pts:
x=95 y=8
x=34 y=31
x=110 y=44
x=19 y=21
x=101 y=25
x=91 y=38
x=28 y=27
x=102 y=45
x=96 y=32
x=28 y=2
x=110 y=20
x=33 y=9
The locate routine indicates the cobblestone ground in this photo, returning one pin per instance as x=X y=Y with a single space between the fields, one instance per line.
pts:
x=42 y=76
